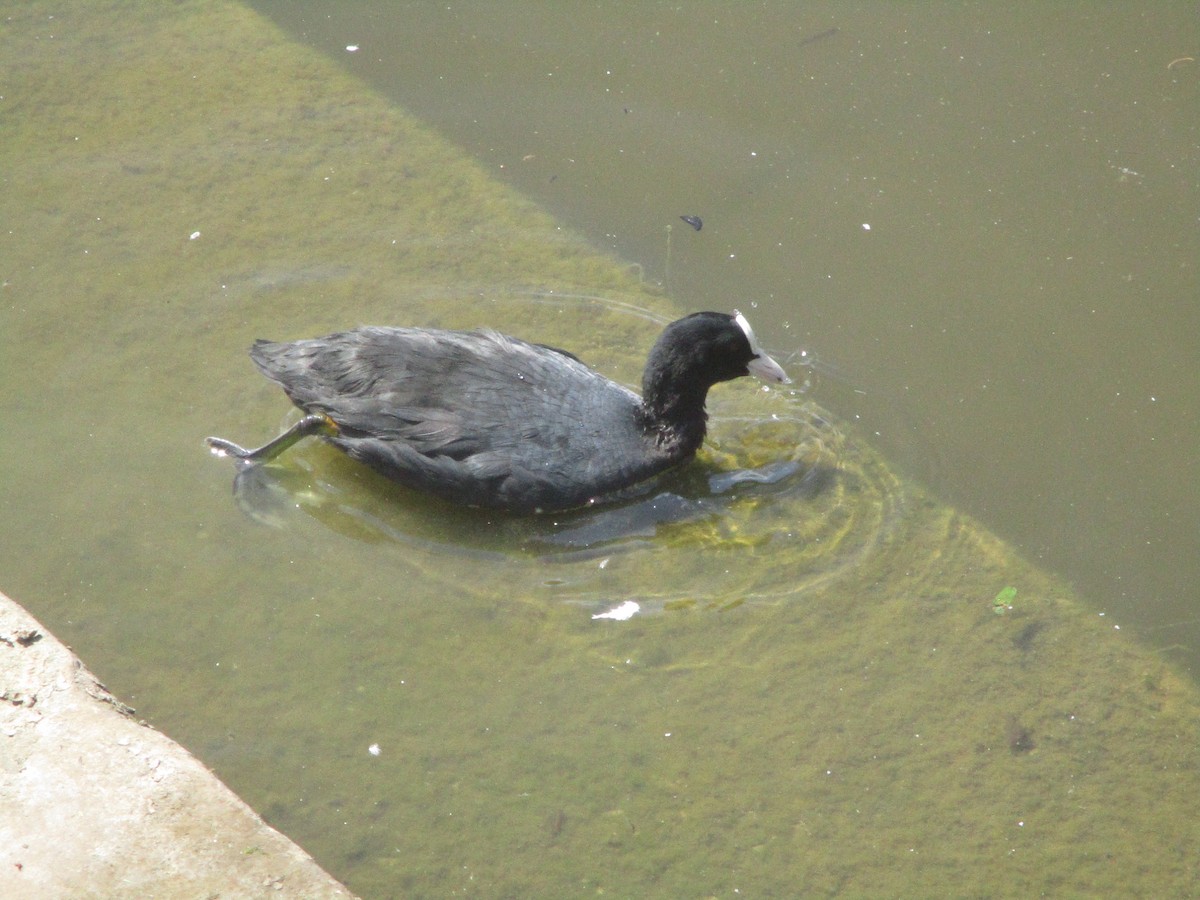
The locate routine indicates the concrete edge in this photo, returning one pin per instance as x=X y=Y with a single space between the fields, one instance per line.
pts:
x=94 y=803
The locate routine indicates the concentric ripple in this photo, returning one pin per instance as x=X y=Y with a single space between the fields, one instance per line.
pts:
x=781 y=499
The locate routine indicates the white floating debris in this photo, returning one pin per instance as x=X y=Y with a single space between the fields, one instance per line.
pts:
x=866 y=226
x=374 y=750
x=352 y=48
x=626 y=610
x=193 y=235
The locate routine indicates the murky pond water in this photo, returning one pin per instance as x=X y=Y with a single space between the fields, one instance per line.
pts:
x=833 y=681
x=1018 y=323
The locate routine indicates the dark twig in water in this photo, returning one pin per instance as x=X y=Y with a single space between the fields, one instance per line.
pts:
x=827 y=33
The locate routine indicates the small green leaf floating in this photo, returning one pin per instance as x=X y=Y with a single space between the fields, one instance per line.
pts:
x=1003 y=601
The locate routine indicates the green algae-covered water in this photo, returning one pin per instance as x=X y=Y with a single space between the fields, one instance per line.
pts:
x=834 y=684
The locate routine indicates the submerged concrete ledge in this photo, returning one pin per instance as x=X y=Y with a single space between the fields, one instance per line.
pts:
x=94 y=803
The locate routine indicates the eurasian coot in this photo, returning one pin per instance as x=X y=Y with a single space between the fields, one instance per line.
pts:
x=487 y=420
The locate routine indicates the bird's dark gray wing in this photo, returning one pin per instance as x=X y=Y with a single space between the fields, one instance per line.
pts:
x=476 y=417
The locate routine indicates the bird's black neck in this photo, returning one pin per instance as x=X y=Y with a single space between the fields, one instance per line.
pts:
x=675 y=415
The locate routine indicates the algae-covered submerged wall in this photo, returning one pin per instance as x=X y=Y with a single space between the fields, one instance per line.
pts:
x=849 y=699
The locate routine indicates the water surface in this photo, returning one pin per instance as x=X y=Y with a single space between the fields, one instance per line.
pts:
x=1019 y=324
x=835 y=682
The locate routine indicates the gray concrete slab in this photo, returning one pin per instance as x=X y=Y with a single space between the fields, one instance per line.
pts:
x=94 y=803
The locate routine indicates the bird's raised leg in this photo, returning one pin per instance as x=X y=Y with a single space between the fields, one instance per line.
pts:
x=306 y=427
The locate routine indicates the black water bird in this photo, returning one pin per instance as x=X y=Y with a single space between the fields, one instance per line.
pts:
x=482 y=419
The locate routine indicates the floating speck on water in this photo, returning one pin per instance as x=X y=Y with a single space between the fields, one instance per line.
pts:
x=626 y=610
